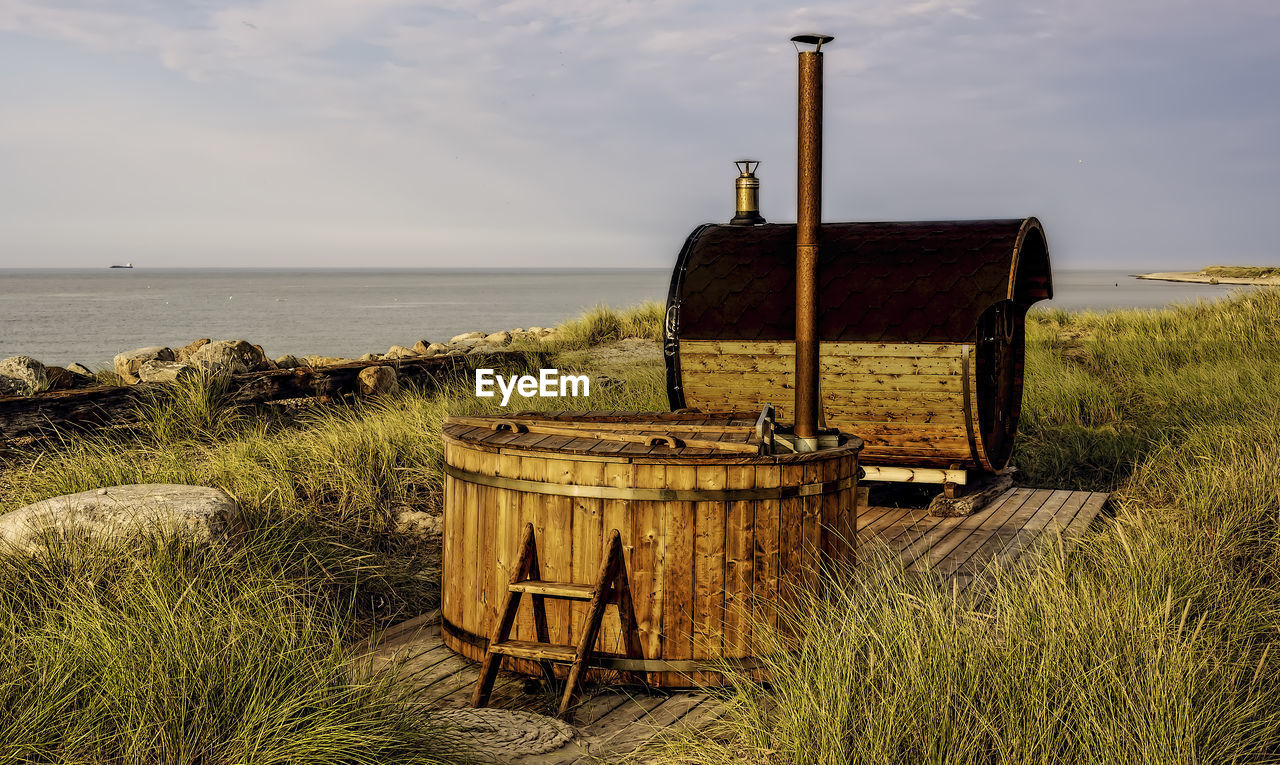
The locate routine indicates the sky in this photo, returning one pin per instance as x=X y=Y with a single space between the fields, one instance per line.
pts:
x=599 y=133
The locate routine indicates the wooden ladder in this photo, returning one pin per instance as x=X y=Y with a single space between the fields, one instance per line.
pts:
x=611 y=586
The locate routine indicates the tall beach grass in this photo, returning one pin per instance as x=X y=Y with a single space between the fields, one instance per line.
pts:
x=1153 y=641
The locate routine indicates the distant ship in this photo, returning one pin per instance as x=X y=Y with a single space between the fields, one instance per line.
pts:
x=126 y=265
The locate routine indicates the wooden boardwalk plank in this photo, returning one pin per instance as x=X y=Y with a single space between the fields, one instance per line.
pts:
x=1012 y=528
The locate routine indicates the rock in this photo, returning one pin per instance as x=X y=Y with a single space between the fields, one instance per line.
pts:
x=184 y=353
x=167 y=371
x=469 y=343
x=417 y=523
x=22 y=375
x=63 y=379
x=325 y=361
x=400 y=352
x=466 y=336
x=127 y=363
x=81 y=370
x=377 y=381
x=498 y=338
x=422 y=346
x=267 y=363
x=535 y=330
x=118 y=512
x=482 y=349
x=507 y=735
x=288 y=361
x=229 y=357
x=436 y=349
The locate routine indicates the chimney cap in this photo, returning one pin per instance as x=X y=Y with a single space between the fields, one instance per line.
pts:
x=815 y=40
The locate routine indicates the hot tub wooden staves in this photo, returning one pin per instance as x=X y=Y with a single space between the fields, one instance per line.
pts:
x=920 y=331
x=714 y=534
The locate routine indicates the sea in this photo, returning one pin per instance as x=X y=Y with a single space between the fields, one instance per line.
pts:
x=60 y=316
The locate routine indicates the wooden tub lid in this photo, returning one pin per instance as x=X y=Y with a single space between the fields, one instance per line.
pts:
x=660 y=436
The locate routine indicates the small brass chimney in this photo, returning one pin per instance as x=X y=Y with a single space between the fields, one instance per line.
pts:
x=748 y=188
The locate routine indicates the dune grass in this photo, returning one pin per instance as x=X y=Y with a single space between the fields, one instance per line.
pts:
x=1152 y=642
x=1155 y=641
x=1242 y=272
x=161 y=652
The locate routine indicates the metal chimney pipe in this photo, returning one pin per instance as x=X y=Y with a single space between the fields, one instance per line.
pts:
x=808 y=221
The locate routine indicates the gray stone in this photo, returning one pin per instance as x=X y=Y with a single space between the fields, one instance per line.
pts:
x=167 y=371
x=127 y=363
x=80 y=369
x=186 y=351
x=436 y=348
x=377 y=381
x=400 y=352
x=467 y=336
x=23 y=376
x=498 y=338
x=117 y=513
x=416 y=523
x=229 y=357
x=325 y=361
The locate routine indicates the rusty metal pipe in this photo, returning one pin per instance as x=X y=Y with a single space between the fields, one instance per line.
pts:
x=808 y=222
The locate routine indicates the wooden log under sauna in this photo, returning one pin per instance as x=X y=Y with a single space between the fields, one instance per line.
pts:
x=921 y=331
x=716 y=537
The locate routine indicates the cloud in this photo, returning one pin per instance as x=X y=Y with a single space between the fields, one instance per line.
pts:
x=479 y=125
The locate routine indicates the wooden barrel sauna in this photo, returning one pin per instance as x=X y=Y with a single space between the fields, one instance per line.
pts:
x=920 y=331
x=714 y=539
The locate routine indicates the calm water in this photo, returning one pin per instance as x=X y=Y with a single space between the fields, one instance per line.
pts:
x=62 y=316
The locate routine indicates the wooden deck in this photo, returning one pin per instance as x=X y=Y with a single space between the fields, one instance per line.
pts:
x=613 y=722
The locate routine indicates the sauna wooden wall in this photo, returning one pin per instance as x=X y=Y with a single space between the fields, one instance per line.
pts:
x=701 y=572
x=906 y=401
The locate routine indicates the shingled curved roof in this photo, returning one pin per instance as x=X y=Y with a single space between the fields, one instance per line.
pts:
x=879 y=282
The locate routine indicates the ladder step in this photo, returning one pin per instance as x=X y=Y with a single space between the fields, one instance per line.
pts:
x=554 y=589
x=528 y=649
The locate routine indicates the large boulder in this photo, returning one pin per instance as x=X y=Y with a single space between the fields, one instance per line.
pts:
x=465 y=336
x=128 y=362
x=400 y=352
x=117 y=513
x=421 y=347
x=22 y=375
x=377 y=381
x=230 y=357
x=185 y=352
x=60 y=378
x=325 y=361
x=167 y=371
x=498 y=338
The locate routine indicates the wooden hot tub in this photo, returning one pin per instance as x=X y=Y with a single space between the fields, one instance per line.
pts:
x=713 y=540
